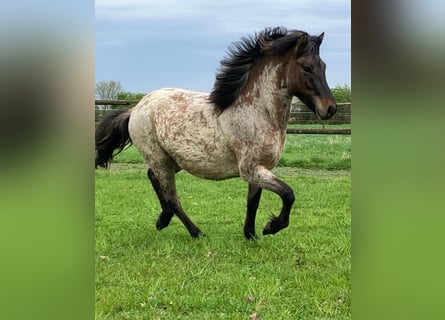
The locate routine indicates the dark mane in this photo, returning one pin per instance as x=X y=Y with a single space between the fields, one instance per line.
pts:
x=234 y=71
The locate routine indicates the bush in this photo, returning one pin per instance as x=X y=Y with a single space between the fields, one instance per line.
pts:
x=342 y=93
x=129 y=96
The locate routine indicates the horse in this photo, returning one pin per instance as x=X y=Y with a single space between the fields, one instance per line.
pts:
x=236 y=130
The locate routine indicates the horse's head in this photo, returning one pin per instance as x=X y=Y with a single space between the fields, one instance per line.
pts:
x=305 y=76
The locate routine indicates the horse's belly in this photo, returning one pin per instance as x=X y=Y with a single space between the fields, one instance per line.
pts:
x=205 y=161
x=212 y=172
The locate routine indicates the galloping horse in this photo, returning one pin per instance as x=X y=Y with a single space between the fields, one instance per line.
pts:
x=238 y=130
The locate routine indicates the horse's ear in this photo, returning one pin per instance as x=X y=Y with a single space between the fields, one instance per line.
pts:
x=320 y=38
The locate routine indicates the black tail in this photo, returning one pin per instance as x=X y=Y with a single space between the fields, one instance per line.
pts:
x=111 y=134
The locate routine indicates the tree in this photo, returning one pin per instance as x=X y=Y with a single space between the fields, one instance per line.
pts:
x=130 y=96
x=342 y=93
x=108 y=90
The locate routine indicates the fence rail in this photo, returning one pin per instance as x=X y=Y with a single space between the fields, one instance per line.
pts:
x=300 y=115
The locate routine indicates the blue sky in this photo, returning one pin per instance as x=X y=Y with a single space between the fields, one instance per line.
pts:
x=147 y=45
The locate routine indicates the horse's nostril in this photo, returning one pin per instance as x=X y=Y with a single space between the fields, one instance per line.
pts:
x=331 y=111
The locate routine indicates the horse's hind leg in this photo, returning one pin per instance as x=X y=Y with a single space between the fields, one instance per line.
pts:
x=167 y=213
x=163 y=181
x=191 y=227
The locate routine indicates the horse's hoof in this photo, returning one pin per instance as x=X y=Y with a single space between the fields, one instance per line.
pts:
x=273 y=226
x=160 y=225
x=197 y=234
x=251 y=236
x=163 y=221
x=268 y=229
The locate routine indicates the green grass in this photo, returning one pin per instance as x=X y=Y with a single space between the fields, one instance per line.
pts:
x=302 y=272
x=330 y=152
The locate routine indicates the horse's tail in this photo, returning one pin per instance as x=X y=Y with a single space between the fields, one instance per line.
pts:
x=111 y=134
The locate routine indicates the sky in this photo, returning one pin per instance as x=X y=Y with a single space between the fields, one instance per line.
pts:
x=147 y=45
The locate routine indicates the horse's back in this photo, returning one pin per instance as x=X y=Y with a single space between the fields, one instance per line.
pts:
x=183 y=125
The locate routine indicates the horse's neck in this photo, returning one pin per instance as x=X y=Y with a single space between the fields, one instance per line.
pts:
x=265 y=94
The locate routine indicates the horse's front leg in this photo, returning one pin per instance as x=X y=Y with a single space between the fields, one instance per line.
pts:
x=253 y=199
x=265 y=179
x=282 y=221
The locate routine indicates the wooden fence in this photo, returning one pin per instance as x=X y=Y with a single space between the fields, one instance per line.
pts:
x=300 y=115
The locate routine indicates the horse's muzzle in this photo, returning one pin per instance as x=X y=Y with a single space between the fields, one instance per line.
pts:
x=325 y=108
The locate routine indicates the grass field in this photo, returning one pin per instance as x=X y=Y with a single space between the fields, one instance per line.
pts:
x=302 y=272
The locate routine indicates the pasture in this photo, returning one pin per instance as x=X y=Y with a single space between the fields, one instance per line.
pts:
x=302 y=272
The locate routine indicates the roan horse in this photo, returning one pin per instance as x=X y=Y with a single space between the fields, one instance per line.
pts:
x=238 y=130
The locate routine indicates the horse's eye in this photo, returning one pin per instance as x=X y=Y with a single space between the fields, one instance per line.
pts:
x=307 y=68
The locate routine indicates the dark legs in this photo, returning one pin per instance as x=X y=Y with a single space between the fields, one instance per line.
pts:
x=164 y=185
x=253 y=199
x=167 y=211
x=163 y=182
x=282 y=221
x=260 y=178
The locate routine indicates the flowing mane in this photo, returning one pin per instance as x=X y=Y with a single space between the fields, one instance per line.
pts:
x=234 y=71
